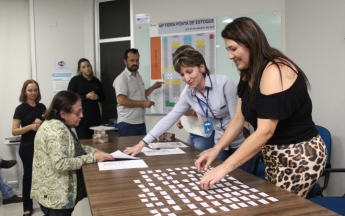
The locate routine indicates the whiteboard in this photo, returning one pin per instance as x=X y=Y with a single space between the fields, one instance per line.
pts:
x=270 y=23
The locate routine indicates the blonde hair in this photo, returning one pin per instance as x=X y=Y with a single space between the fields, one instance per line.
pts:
x=189 y=58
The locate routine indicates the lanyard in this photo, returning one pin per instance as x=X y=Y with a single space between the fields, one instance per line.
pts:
x=206 y=113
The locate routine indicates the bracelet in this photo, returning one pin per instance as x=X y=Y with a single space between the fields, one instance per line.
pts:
x=145 y=142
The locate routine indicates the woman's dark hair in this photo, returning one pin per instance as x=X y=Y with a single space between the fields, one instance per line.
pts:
x=23 y=97
x=79 y=65
x=247 y=32
x=132 y=50
x=189 y=58
x=63 y=100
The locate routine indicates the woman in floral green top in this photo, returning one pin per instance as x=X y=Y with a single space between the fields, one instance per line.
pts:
x=57 y=180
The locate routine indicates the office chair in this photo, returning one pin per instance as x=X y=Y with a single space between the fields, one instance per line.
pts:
x=318 y=189
x=259 y=168
x=335 y=204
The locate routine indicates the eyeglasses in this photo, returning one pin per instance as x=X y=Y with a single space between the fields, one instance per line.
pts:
x=78 y=112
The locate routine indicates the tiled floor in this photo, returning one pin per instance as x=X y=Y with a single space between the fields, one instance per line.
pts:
x=16 y=209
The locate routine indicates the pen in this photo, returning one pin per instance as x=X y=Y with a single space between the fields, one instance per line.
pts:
x=148 y=99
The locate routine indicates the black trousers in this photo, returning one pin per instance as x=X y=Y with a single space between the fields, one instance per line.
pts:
x=56 y=212
x=26 y=153
x=84 y=132
x=81 y=194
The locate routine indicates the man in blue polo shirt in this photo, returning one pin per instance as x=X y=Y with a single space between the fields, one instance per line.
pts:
x=132 y=97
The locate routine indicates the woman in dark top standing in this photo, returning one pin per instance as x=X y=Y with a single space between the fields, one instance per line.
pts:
x=26 y=121
x=90 y=90
x=273 y=97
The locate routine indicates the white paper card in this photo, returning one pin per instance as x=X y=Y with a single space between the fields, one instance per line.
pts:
x=126 y=164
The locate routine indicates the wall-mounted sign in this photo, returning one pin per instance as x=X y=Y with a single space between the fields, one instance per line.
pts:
x=61 y=65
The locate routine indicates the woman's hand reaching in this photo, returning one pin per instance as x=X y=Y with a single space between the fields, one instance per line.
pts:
x=134 y=150
x=213 y=176
x=102 y=156
x=205 y=159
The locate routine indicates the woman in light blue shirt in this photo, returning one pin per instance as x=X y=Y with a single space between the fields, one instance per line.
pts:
x=213 y=96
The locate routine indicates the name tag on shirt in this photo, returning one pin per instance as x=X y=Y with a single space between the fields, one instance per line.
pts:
x=208 y=127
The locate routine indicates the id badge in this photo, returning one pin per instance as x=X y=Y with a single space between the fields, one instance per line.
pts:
x=208 y=127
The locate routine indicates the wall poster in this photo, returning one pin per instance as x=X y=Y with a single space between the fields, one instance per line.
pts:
x=165 y=39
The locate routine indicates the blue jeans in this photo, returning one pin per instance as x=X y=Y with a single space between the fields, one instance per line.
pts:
x=26 y=153
x=200 y=142
x=126 y=129
x=247 y=166
x=5 y=189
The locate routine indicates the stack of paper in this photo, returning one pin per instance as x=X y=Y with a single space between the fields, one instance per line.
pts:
x=167 y=145
x=152 y=152
x=126 y=164
x=101 y=127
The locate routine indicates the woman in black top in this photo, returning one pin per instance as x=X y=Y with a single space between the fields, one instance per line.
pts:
x=273 y=97
x=26 y=121
x=90 y=90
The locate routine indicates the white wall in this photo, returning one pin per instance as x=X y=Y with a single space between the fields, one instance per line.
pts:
x=15 y=67
x=315 y=39
x=167 y=10
x=70 y=40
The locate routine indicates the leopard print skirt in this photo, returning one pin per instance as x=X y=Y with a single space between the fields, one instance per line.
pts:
x=295 y=167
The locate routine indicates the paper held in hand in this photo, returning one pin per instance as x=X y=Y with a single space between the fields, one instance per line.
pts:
x=167 y=145
x=119 y=155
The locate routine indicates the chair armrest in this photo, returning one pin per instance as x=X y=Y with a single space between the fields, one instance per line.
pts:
x=327 y=170
x=334 y=170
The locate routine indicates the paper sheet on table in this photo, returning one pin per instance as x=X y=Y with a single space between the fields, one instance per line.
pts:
x=120 y=155
x=151 y=152
x=145 y=149
x=125 y=164
x=101 y=127
x=167 y=145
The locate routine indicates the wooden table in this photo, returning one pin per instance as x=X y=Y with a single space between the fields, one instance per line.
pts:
x=115 y=193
